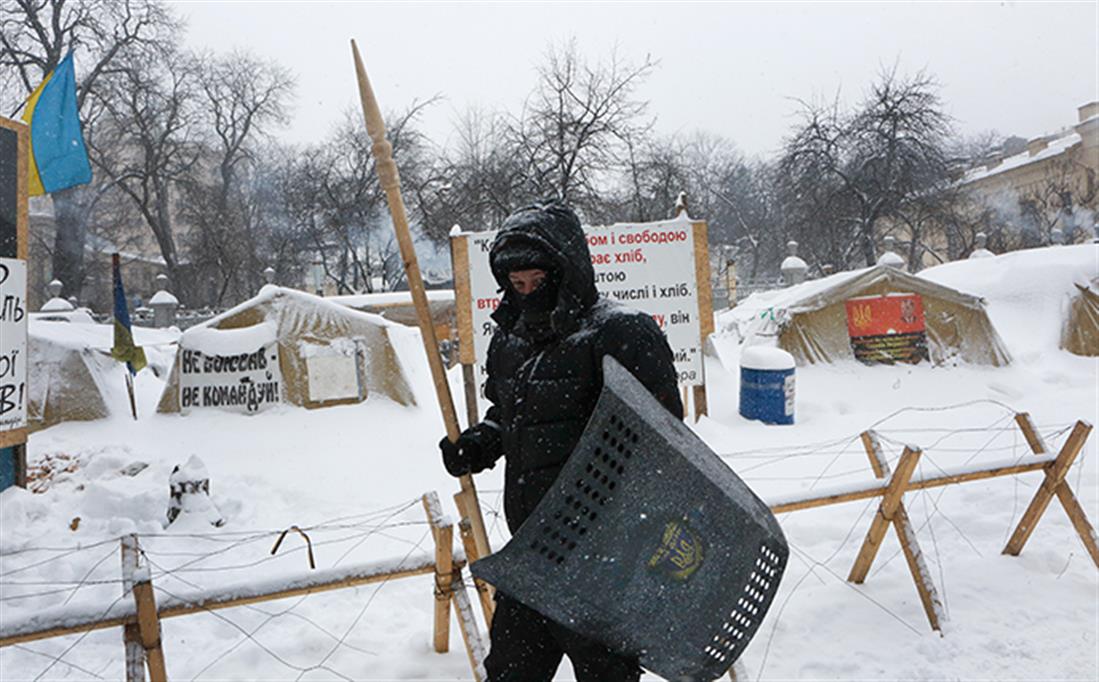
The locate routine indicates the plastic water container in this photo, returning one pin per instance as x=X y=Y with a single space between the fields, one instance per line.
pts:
x=767 y=385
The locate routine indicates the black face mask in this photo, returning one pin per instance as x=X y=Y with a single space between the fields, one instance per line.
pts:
x=542 y=300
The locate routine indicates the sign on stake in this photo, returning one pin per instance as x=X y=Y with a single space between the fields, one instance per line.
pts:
x=892 y=511
x=1054 y=484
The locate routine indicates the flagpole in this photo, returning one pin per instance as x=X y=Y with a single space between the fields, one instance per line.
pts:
x=130 y=390
x=391 y=182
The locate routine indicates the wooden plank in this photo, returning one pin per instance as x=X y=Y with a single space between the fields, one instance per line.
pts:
x=463 y=298
x=934 y=482
x=1079 y=521
x=217 y=601
x=1031 y=434
x=913 y=556
x=131 y=636
x=484 y=590
x=148 y=625
x=700 y=232
x=1055 y=474
x=886 y=510
x=873 y=449
x=13 y=437
x=467 y=625
x=444 y=570
x=469 y=381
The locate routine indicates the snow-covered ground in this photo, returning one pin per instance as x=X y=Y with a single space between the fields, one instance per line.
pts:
x=351 y=476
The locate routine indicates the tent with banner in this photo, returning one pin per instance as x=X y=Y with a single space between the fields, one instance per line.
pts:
x=816 y=321
x=1080 y=334
x=288 y=346
x=72 y=377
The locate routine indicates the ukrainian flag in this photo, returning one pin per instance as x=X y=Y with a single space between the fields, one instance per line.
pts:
x=124 y=349
x=58 y=158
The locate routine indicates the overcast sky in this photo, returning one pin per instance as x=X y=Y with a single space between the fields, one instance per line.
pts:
x=724 y=68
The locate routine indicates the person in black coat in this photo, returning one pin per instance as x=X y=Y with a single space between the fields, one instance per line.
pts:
x=544 y=377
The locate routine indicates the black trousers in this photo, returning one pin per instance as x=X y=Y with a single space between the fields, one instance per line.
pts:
x=527 y=647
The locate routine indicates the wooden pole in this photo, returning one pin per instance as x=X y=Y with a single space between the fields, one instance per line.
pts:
x=444 y=570
x=484 y=590
x=1054 y=484
x=391 y=182
x=131 y=636
x=130 y=391
x=467 y=625
x=148 y=624
x=873 y=449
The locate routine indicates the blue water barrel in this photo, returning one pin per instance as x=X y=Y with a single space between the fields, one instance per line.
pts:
x=767 y=385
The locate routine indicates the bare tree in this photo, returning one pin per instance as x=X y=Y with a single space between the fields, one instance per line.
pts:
x=34 y=36
x=849 y=172
x=570 y=135
x=149 y=143
x=244 y=98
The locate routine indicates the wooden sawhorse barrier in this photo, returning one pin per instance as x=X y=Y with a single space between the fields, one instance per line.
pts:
x=140 y=618
x=1054 y=484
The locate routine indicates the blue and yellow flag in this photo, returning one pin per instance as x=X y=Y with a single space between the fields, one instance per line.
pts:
x=124 y=349
x=58 y=158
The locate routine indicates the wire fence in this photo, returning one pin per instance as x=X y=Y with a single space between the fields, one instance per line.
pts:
x=34 y=578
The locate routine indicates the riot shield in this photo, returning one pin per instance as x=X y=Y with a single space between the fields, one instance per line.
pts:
x=647 y=542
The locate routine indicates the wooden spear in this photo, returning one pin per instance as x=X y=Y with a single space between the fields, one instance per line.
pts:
x=391 y=183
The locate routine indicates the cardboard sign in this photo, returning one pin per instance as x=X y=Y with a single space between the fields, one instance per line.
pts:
x=13 y=344
x=652 y=267
x=212 y=375
x=887 y=329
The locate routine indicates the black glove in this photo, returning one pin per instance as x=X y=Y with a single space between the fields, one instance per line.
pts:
x=476 y=450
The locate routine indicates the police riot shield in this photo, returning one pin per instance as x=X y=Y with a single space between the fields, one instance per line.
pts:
x=647 y=542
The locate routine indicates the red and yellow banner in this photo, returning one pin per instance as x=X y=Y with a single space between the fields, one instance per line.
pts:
x=887 y=329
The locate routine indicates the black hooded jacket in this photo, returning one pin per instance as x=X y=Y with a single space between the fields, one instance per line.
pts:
x=544 y=380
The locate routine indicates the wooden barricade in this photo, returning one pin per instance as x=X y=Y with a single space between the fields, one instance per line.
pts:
x=1054 y=484
x=140 y=620
x=892 y=511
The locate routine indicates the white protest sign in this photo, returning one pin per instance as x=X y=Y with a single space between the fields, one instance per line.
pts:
x=13 y=344
x=649 y=266
x=229 y=369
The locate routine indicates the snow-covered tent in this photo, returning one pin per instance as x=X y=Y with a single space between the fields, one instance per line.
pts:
x=397 y=306
x=1080 y=334
x=327 y=353
x=810 y=320
x=71 y=375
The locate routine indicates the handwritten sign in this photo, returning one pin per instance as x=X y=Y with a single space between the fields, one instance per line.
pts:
x=13 y=344
x=648 y=266
x=238 y=374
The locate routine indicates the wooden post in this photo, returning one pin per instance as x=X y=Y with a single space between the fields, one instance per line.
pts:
x=873 y=450
x=700 y=232
x=131 y=637
x=450 y=586
x=467 y=625
x=390 y=181
x=1054 y=484
x=148 y=624
x=913 y=555
x=469 y=381
x=444 y=570
x=484 y=590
